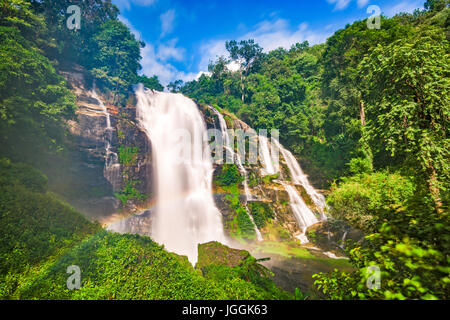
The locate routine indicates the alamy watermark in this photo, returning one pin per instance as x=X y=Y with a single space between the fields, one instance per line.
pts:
x=74 y=21
x=374 y=21
x=374 y=277
x=235 y=146
x=74 y=281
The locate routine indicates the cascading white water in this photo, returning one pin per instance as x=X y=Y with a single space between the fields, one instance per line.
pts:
x=304 y=216
x=266 y=157
x=298 y=177
x=241 y=168
x=185 y=211
x=111 y=171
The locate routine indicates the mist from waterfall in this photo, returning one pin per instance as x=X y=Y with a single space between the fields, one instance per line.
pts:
x=185 y=212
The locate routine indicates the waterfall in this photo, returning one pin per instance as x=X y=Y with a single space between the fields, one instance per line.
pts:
x=265 y=156
x=238 y=162
x=304 y=216
x=185 y=212
x=111 y=171
x=344 y=236
x=299 y=178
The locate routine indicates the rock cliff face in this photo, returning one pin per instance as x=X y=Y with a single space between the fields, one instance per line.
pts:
x=267 y=191
x=103 y=161
x=111 y=155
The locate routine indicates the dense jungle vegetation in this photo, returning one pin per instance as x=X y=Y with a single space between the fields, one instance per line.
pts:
x=367 y=112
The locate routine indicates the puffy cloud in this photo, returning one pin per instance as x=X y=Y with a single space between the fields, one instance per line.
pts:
x=167 y=22
x=363 y=3
x=268 y=34
x=343 y=4
x=126 y=4
x=169 y=51
x=339 y=4
x=166 y=72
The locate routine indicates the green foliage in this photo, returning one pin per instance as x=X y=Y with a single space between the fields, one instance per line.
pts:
x=229 y=175
x=242 y=226
x=367 y=200
x=35 y=225
x=261 y=213
x=407 y=239
x=31 y=93
x=409 y=118
x=150 y=83
x=129 y=192
x=128 y=155
x=117 y=57
x=22 y=174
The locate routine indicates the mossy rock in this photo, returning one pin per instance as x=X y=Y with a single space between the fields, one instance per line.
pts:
x=215 y=253
x=306 y=197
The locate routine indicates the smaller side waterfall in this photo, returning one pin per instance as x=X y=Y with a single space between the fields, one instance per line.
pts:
x=298 y=177
x=111 y=170
x=238 y=161
x=266 y=157
x=304 y=216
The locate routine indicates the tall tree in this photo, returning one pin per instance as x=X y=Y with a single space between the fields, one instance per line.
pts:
x=117 y=56
x=408 y=95
x=246 y=53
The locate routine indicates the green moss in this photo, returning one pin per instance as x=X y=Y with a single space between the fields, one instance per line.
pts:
x=129 y=192
x=229 y=175
x=261 y=213
x=268 y=179
x=128 y=155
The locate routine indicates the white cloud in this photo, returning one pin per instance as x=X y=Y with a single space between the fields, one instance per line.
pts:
x=407 y=6
x=272 y=35
x=233 y=66
x=166 y=72
x=340 y=4
x=269 y=35
x=167 y=22
x=169 y=51
x=155 y=58
x=363 y=3
x=126 y=4
x=210 y=51
x=343 y=4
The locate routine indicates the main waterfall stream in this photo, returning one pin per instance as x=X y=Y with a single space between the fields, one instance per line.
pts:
x=185 y=212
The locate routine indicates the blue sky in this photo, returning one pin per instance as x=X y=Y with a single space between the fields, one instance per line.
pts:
x=182 y=36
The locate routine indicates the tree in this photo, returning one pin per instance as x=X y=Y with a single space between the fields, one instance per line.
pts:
x=246 y=53
x=73 y=45
x=150 y=83
x=436 y=5
x=408 y=90
x=117 y=57
x=175 y=86
x=31 y=94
